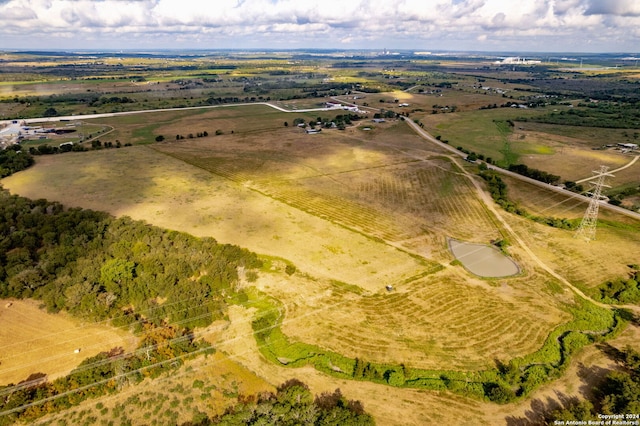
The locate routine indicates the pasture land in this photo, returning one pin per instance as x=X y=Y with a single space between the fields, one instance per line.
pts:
x=483 y=131
x=448 y=320
x=566 y=151
x=34 y=341
x=339 y=206
x=174 y=195
x=354 y=211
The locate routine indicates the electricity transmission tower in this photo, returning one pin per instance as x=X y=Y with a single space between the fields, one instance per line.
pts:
x=587 y=228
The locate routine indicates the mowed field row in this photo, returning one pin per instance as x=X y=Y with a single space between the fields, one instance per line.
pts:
x=395 y=203
x=294 y=201
x=436 y=321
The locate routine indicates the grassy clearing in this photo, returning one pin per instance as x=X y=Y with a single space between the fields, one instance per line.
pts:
x=566 y=151
x=588 y=324
x=616 y=245
x=481 y=131
x=373 y=327
x=588 y=137
x=34 y=341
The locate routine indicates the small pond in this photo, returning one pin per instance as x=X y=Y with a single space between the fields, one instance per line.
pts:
x=483 y=260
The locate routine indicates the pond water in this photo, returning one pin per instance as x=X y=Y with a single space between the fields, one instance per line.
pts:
x=483 y=260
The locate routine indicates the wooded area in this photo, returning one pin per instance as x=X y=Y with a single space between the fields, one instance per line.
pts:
x=98 y=267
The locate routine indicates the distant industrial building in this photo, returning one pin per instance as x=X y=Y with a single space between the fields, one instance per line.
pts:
x=517 y=60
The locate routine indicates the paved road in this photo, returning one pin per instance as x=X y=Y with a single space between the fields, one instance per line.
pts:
x=584 y=198
x=147 y=111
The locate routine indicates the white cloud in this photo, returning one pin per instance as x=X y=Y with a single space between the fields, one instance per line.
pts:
x=310 y=23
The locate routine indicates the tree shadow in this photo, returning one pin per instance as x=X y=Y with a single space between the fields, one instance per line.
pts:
x=611 y=352
x=540 y=410
x=538 y=413
x=592 y=378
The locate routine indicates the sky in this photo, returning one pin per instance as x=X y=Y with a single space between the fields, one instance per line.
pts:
x=419 y=25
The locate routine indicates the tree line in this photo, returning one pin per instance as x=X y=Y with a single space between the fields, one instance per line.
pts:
x=294 y=404
x=99 y=267
x=162 y=349
x=159 y=283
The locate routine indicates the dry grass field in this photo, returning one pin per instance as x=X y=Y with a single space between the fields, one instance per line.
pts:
x=446 y=320
x=34 y=341
x=553 y=153
x=174 y=195
x=353 y=211
x=207 y=385
x=583 y=263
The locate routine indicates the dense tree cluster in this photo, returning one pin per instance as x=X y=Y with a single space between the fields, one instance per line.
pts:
x=98 y=267
x=160 y=283
x=46 y=149
x=619 y=394
x=13 y=159
x=294 y=404
x=621 y=290
x=536 y=174
x=624 y=115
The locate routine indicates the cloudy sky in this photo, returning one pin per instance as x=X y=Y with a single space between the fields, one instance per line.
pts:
x=424 y=25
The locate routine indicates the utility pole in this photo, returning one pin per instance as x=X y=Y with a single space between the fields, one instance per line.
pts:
x=587 y=228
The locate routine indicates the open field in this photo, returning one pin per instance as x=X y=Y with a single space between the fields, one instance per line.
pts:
x=204 y=386
x=477 y=130
x=375 y=327
x=354 y=211
x=566 y=151
x=34 y=341
x=389 y=405
x=174 y=195
x=335 y=204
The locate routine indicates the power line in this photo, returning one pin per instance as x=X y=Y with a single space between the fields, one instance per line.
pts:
x=587 y=228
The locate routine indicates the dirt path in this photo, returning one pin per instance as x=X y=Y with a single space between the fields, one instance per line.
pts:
x=629 y=164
